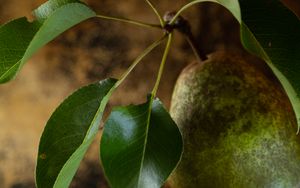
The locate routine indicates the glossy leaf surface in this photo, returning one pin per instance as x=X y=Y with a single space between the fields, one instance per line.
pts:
x=68 y=134
x=20 y=39
x=140 y=146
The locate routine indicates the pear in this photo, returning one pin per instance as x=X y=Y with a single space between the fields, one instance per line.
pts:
x=238 y=127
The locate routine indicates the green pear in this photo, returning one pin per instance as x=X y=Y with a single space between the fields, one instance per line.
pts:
x=238 y=127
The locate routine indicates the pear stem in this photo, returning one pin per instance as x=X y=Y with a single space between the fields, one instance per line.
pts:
x=183 y=26
x=198 y=51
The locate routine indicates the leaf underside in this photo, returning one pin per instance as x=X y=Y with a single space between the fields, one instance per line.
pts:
x=232 y=5
x=137 y=153
x=272 y=32
x=20 y=39
x=68 y=134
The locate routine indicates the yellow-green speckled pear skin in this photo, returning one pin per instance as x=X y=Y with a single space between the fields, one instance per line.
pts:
x=238 y=126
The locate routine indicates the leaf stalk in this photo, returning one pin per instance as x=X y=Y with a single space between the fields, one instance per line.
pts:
x=129 y=21
x=139 y=58
x=161 y=21
x=162 y=65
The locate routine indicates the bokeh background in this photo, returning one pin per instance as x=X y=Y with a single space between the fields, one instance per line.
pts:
x=91 y=51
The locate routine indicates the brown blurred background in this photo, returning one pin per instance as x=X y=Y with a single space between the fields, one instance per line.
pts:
x=91 y=51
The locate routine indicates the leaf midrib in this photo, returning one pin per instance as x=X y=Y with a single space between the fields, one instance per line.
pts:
x=146 y=139
x=40 y=29
x=89 y=135
x=8 y=70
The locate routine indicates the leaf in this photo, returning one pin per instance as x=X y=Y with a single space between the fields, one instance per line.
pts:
x=20 y=39
x=140 y=146
x=68 y=134
x=272 y=32
x=232 y=5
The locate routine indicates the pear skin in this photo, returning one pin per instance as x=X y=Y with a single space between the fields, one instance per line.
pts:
x=238 y=127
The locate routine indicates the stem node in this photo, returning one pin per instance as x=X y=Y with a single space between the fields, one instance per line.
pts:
x=176 y=22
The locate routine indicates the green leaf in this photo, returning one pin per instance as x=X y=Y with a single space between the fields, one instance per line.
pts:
x=20 y=39
x=69 y=132
x=140 y=146
x=272 y=32
x=232 y=5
